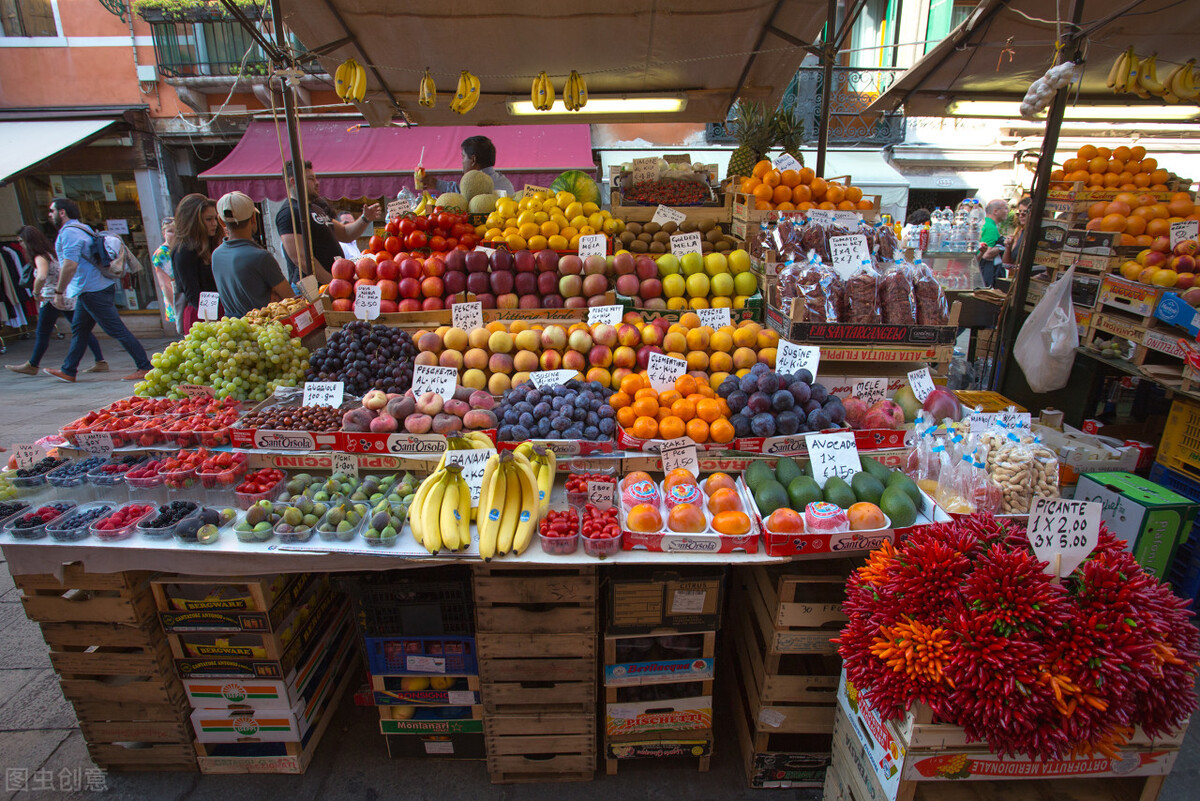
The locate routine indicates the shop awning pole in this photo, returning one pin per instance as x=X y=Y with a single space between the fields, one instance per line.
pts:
x=829 y=53
x=1037 y=207
x=304 y=248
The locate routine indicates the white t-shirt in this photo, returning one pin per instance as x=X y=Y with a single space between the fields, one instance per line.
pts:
x=52 y=275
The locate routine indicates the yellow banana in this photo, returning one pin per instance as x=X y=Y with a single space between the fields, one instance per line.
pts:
x=512 y=508
x=448 y=511
x=1115 y=70
x=581 y=94
x=431 y=511
x=528 y=516
x=1128 y=72
x=463 y=514
x=428 y=90
x=1182 y=82
x=418 y=503
x=472 y=94
x=544 y=476
x=341 y=80
x=1148 y=76
x=533 y=92
x=460 y=93
x=543 y=93
x=491 y=506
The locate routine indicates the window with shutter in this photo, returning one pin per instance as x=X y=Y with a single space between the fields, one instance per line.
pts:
x=27 y=18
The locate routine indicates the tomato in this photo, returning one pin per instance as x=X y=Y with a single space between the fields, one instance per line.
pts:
x=437 y=231
x=451 y=243
x=407 y=226
x=422 y=223
x=437 y=243
x=375 y=244
x=393 y=245
x=446 y=220
x=416 y=240
x=460 y=229
x=393 y=227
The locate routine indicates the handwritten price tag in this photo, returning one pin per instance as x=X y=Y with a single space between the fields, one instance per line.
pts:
x=605 y=314
x=848 y=251
x=593 y=245
x=833 y=455
x=788 y=162
x=849 y=219
x=790 y=357
x=430 y=378
x=601 y=493
x=323 y=393
x=678 y=453
x=1063 y=533
x=550 y=378
x=986 y=421
x=530 y=189
x=686 y=243
x=209 y=308
x=398 y=208
x=196 y=391
x=310 y=288
x=662 y=370
x=714 y=318
x=95 y=442
x=871 y=390
x=366 y=302
x=645 y=170
x=921 y=382
x=27 y=455
x=822 y=216
x=1183 y=231
x=472 y=463
x=665 y=214
x=467 y=316
x=346 y=464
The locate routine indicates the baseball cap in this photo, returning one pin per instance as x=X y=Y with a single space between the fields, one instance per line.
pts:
x=236 y=207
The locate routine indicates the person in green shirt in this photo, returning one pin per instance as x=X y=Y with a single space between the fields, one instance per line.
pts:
x=993 y=248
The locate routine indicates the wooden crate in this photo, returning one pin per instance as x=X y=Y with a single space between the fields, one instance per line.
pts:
x=82 y=597
x=696 y=745
x=553 y=697
x=1148 y=340
x=797 y=613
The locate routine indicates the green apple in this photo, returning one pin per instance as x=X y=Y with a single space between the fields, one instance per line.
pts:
x=668 y=264
x=739 y=261
x=693 y=263
x=723 y=285
x=697 y=285
x=674 y=286
x=715 y=264
x=745 y=283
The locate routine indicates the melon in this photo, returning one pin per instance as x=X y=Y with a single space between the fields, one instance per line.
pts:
x=475 y=182
x=452 y=200
x=579 y=184
x=483 y=204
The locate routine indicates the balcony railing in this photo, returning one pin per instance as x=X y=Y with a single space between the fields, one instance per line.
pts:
x=212 y=48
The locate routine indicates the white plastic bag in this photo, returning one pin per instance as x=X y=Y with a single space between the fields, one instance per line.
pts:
x=1046 y=346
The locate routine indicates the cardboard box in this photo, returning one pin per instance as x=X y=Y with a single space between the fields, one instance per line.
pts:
x=648 y=600
x=673 y=714
x=401 y=691
x=1052 y=235
x=446 y=746
x=196 y=603
x=1129 y=296
x=1151 y=519
x=1172 y=309
x=659 y=745
x=851 y=334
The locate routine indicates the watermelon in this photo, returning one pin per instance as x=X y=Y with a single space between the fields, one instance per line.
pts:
x=579 y=184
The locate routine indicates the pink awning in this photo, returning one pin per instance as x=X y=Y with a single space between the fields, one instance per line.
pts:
x=377 y=162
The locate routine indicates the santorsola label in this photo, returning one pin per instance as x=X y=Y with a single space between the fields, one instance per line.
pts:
x=284 y=440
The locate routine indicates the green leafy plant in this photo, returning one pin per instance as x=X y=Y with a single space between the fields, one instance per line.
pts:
x=187 y=9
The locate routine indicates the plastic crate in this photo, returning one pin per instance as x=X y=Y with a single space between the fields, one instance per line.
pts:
x=1175 y=481
x=1184 y=575
x=452 y=656
x=390 y=605
x=1179 y=449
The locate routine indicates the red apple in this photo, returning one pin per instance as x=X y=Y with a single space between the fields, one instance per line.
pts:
x=486 y=300
x=388 y=290
x=433 y=287
x=477 y=283
x=643 y=354
x=409 y=305
x=651 y=288
x=387 y=270
x=456 y=261
x=552 y=300
x=502 y=262
x=570 y=265
x=501 y=283
x=388 y=306
x=524 y=261
x=627 y=284
x=547 y=261
x=476 y=261
x=410 y=268
x=526 y=283
x=529 y=302
x=434 y=268
x=623 y=264
x=343 y=305
x=340 y=287
x=343 y=269
x=547 y=283
x=409 y=288
x=455 y=282
x=432 y=304
x=508 y=300
x=365 y=268
x=645 y=268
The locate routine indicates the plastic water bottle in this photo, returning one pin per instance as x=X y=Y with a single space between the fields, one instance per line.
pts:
x=936 y=231
x=978 y=215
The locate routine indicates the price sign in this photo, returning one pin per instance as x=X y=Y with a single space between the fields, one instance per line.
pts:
x=116 y=226
x=605 y=314
x=551 y=378
x=430 y=378
x=346 y=464
x=308 y=285
x=530 y=189
x=195 y=391
x=823 y=216
x=848 y=251
x=871 y=390
x=1063 y=533
x=678 y=453
x=467 y=316
x=715 y=318
x=366 y=302
x=601 y=493
x=323 y=393
x=790 y=357
x=645 y=170
x=833 y=455
x=686 y=243
x=1183 y=231
x=849 y=219
x=662 y=370
x=210 y=303
x=472 y=463
x=27 y=455
x=921 y=382
x=95 y=442
x=398 y=208
x=593 y=245
x=614 y=175
x=788 y=162
x=665 y=214
x=986 y=421
x=488 y=251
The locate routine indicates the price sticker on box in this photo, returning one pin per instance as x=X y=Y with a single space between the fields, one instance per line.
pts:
x=788 y=162
x=1063 y=533
x=551 y=378
x=309 y=288
x=686 y=243
x=871 y=390
x=665 y=214
x=346 y=464
x=680 y=453
x=27 y=455
x=611 y=315
x=467 y=316
x=715 y=318
x=425 y=664
x=210 y=306
x=601 y=493
x=790 y=357
x=833 y=455
x=366 y=302
x=922 y=383
x=662 y=370
x=398 y=208
x=688 y=602
x=323 y=393
x=848 y=251
x=196 y=391
x=95 y=442
x=645 y=170
x=431 y=378
x=593 y=245
x=473 y=463
x=1184 y=231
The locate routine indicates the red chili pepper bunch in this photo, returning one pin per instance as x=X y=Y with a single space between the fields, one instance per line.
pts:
x=963 y=617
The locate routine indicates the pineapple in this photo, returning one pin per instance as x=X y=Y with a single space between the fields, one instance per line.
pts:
x=752 y=127
x=789 y=134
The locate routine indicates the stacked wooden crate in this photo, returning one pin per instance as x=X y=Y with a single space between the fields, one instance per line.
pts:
x=785 y=668
x=536 y=630
x=114 y=665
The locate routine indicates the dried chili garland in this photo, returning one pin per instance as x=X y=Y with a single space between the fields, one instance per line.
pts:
x=962 y=617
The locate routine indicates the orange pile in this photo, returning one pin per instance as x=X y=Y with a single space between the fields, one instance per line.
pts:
x=800 y=190
x=692 y=409
x=1140 y=218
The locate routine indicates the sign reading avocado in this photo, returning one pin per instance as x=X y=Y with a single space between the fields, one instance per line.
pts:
x=833 y=454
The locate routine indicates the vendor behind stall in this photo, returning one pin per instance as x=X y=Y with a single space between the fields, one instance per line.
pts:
x=247 y=276
x=478 y=154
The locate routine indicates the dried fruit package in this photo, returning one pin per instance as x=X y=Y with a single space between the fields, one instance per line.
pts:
x=896 y=306
x=862 y=295
x=822 y=290
x=815 y=239
x=928 y=297
x=887 y=246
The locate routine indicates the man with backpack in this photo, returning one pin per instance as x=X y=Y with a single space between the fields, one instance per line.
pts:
x=83 y=262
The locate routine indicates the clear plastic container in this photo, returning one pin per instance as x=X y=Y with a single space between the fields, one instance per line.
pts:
x=145 y=433
x=289 y=534
x=124 y=532
x=202 y=527
x=559 y=546
x=10 y=509
x=582 y=468
x=219 y=484
x=245 y=500
x=111 y=486
x=27 y=485
x=163 y=532
x=398 y=514
x=205 y=439
x=76 y=525
x=71 y=479
x=182 y=483
x=268 y=531
x=329 y=531
x=147 y=490
x=600 y=546
x=35 y=532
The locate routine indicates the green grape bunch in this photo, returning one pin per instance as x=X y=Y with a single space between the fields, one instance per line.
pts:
x=238 y=359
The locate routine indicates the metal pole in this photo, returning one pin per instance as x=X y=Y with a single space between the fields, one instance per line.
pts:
x=830 y=53
x=304 y=248
x=1041 y=186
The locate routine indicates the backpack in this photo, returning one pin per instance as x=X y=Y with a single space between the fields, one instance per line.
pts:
x=109 y=254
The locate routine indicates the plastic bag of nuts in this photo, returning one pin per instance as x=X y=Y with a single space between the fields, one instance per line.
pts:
x=1045 y=471
x=1011 y=467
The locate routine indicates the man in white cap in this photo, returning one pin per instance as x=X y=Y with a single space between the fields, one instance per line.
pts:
x=247 y=276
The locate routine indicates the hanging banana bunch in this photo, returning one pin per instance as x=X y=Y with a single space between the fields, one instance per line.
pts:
x=542 y=92
x=1140 y=76
x=1181 y=84
x=428 y=94
x=575 y=92
x=350 y=81
x=467 y=93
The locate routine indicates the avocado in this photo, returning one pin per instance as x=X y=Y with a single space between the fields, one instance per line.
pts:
x=872 y=466
x=770 y=495
x=756 y=474
x=866 y=487
x=802 y=491
x=909 y=486
x=786 y=469
x=838 y=492
x=899 y=508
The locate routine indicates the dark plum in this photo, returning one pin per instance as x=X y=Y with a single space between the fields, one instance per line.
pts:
x=800 y=391
x=782 y=400
x=749 y=383
x=787 y=423
x=737 y=400
x=811 y=406
x=758 y=403
x=763 y=425
x=768 y=383
x=804 y=375
x=741 y=425
x=836 y=412
x=819 y=392
x=818 y=420
x=728 y=386
x=760 y=368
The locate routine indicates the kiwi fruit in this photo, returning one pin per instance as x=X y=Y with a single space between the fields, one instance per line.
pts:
x=645 y=237
x=714 y=236
x=687 y=226
x=638 y=246
x=627 y=237
x=658 y=247
x=721 y=247
x=652 y=228
x=662 y=236
x=633 y=228
x=670 y=227
x=707 y=225
x=706 y=246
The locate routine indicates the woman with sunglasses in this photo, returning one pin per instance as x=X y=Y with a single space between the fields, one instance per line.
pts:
x=1016 y=238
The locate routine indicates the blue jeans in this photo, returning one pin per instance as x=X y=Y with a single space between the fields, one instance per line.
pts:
x=47 y=316
x=100 y=307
